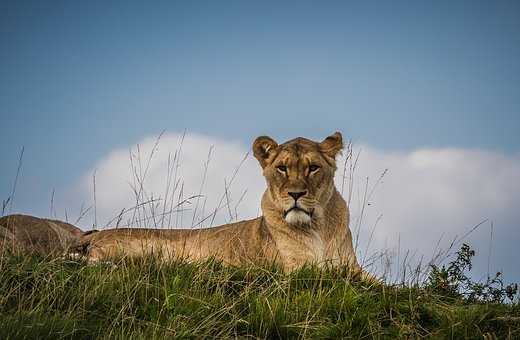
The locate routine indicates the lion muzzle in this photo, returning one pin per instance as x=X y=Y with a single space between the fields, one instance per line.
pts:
x=297 y=216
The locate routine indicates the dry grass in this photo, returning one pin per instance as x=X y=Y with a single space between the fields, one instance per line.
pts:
x=59 y=298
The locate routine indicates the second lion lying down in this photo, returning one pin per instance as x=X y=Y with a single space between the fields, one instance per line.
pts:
x=304 y=220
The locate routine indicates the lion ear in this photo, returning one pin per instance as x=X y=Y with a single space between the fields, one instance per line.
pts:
x=264 y=149
x=332 y=145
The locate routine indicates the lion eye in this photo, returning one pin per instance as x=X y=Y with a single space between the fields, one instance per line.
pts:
x=282 y=168
x=313 y=168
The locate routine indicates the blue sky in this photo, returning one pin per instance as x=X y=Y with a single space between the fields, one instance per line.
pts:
x=81 y=79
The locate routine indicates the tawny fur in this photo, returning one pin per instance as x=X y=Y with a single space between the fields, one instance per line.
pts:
x=323 y=238
x=32 y=234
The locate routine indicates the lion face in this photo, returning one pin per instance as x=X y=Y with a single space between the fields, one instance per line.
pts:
x=299 y=175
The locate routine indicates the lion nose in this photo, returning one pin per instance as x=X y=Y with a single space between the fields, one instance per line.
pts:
x=297 y=195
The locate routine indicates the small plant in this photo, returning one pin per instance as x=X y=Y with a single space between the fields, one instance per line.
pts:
x=452 y=281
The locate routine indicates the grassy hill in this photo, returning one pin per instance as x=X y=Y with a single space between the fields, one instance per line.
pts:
x=59 y=298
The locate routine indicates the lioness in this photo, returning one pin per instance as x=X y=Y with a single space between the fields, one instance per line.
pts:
x=32 y=234
x=305 y=219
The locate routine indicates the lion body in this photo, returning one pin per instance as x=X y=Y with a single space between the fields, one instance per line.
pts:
x=290 y=232
x=250 y=241
x=28 y=233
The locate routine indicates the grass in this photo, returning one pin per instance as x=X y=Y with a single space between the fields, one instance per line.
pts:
x=58 y=298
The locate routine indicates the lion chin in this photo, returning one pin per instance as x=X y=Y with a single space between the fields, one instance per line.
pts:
x=298 y=217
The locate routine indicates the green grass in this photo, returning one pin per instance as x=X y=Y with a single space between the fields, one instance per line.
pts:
x=144 y=299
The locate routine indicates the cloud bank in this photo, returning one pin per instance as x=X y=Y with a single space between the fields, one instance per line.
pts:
x=206 y=173
x=405 y=203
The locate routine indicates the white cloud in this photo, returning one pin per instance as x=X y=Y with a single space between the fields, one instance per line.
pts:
x=425 y=195
x=115 y=182
x=432 y=193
